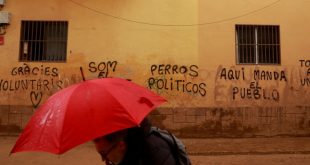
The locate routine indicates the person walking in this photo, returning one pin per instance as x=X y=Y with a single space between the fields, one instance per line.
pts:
x=135 y=146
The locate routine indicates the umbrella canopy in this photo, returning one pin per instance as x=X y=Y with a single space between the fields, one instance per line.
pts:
x=84 y=111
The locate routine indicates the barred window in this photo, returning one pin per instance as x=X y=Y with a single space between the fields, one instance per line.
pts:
x=258 y=44
x=43 y=41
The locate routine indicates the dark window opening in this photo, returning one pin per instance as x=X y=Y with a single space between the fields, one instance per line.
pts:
x=258 y=44
x=43 y=41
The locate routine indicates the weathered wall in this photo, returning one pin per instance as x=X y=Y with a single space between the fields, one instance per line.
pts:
x=183 y=50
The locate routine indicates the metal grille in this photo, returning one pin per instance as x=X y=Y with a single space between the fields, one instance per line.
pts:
x=43 y=41
x=258 y=44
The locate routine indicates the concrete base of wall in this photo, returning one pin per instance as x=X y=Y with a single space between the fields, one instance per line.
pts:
x=204 y=122
x=13 y=118
x=210 y=122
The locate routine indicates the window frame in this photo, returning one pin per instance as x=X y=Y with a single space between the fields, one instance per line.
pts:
x=43 y=41
x=275 y=45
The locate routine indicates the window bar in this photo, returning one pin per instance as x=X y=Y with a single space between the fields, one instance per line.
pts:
x=247 y=54
x=29 y=40
x=265 y=61
x=32 y=40
x=30 y=45
x=44 y=40
x=261 y=44
x=240 y=44
x=266 y=45
x=44 y=43
x=21 y=42
x=257 y=41
x=269 y=60
x=63 y=36
x=276 y=44
x=55 y=42
x=253 y=42
x=26 y=44
x=279 y=42
x=54 y=51
x=271 y=45
x=237 y=45
x=64 y=57
x=277 y=53
x=243 y=44
x=60 y=36
x=256 y=46
x=40 y=40
x=35 y=41
x=51 y=36
x=262 y=53
x=51 y=47
x=23 y=38
x=47 y=39
x=50 y=41
x=248 y=43
x=25 y=54
x=39 y=32
x=247 y=28
x=58 y=41
x=48 y=29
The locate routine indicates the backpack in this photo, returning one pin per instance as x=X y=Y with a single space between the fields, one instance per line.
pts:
x=177 y=147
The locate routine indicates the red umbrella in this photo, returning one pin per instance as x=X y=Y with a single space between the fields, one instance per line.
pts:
x=84 y=111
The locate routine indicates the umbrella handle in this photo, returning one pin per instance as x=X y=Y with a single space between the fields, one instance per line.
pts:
x=81 y=69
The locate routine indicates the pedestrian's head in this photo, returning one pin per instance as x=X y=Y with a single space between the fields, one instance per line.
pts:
x=112 y=147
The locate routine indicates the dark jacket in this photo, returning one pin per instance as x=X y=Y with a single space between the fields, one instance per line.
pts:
x=147 y=149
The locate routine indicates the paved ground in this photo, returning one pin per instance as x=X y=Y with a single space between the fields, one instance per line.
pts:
x=254 y=151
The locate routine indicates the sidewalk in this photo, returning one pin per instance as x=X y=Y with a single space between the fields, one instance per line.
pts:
x=228 y=146
x=252 y=151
